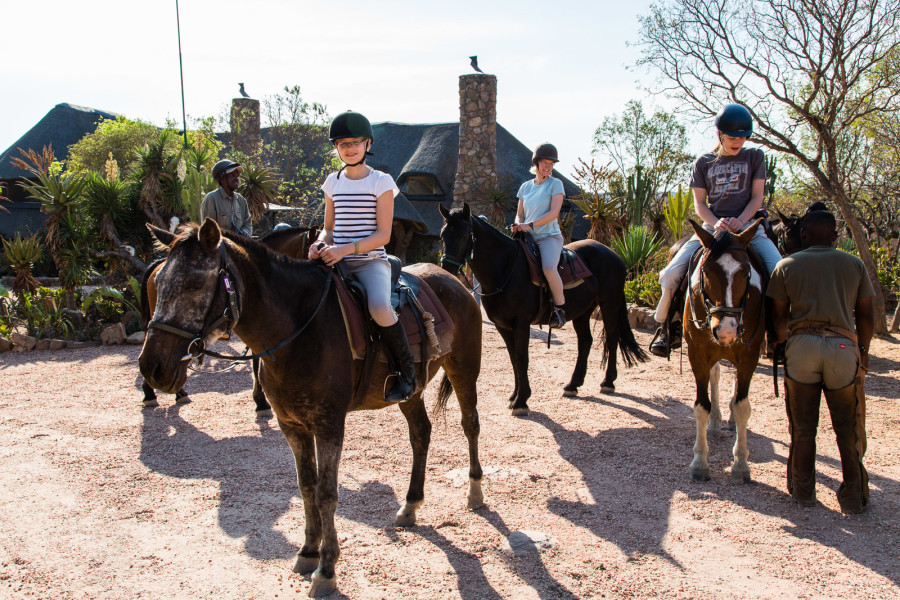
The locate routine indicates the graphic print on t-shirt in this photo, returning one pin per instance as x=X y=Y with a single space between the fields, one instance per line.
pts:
x=727 y=178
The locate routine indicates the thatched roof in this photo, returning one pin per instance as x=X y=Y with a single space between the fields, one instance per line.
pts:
x=64 y=125
x=404 y=150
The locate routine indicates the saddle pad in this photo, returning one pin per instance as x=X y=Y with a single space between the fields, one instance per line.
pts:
x=572 y=269
x=355 y=324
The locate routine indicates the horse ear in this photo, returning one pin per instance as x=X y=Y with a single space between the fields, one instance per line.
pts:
x=746 y=235
x=706 y=238
x=466 y=211
x=444 y=212
x=210 y=235
x=783 y=217
x=164 y=236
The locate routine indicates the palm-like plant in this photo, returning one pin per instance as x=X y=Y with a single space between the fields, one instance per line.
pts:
x=21 y=254
x=75 y=268
x=259 y=187
x=676 y=210
x=636 y=246
x=154 y=167
x=600 y=207
x=197 y=180
x=105 y=204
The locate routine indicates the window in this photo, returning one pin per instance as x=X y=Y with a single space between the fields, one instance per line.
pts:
x=421 y=185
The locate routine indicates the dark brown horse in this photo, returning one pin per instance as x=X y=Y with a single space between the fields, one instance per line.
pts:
x=293 y=242
x=723 y=320
x=513 y=303
x=311 y=379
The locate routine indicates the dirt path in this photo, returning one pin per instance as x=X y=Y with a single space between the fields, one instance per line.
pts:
x=100 y=499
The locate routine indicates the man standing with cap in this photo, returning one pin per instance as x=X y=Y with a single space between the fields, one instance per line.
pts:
x=819 y=294
x=224 y=205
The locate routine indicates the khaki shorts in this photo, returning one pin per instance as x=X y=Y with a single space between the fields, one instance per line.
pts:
x=816 y=359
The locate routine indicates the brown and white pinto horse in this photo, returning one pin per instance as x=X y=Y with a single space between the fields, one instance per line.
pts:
x=724 y=318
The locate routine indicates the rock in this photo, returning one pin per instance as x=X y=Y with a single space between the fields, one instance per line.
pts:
x=22 y=342
x=136 y=339
x=524 y=542
x=5 y=344
x=57 y=344
x=113 y=335
x=131 y=321
x=42 y=345
x=76 y=318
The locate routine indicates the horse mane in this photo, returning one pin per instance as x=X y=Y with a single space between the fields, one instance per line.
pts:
x=261 y=253
x=723 y=241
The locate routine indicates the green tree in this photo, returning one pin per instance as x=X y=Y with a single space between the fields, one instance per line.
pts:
x=807 y=71
x=120 y=137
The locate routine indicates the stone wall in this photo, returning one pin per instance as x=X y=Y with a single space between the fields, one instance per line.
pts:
x=476 y=169
x=245 y=125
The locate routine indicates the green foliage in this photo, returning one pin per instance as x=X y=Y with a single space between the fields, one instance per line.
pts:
x=107 y=293
x=198 y=180
x=638 y=196
x=637 y=246
x=120 y=137
x=887 y=268
x=676 y=210
x=772 y=172
x=643 y=290
x=42 y=316
x=21 y=254
x=259 y=186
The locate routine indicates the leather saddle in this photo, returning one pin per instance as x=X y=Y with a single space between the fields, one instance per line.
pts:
x=425 y=320
x=572 y=268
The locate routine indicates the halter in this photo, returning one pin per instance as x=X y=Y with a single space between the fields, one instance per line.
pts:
x=467 y=255
x=712 y=309
x=197 y=348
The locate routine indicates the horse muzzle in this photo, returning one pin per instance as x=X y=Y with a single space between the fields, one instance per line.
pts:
x=725 y=329
x=162 y=368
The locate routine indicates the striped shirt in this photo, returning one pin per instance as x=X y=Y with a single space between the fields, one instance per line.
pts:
x=355 y=201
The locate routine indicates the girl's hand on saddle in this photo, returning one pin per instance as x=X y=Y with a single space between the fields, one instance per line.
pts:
x=732 y=224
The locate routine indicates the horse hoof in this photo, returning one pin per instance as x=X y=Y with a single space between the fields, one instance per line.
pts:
x=306 y=564
x=183 y=399
x=406 y=516
x=520 y=412
x=607 y=388
x=265 y=413
x=474 y=502
x=321 y=586
x=740 y=476
x=512 y=404
x=151 y=403
x=567 y=393
x=700 y=474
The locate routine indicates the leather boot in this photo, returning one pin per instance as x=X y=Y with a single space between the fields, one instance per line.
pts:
x=802 y=402
x=662 y=344
x=402 y=360
x=558 y=316
x=850 y=431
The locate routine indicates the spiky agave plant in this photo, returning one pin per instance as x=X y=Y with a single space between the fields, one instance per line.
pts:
x=21 y=254
x=259 y=187
x=105 y=204
x=636 y=246
x=152 y=162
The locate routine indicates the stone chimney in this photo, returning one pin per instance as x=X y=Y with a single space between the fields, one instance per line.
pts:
x=245 y=125
x=476 y=168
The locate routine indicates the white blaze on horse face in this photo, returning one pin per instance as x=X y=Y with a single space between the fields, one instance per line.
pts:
x=727 y=328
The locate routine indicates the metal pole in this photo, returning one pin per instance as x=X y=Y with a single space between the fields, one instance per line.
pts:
x=181 y=73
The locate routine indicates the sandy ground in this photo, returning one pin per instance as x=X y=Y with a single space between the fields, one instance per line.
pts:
x=101 y=499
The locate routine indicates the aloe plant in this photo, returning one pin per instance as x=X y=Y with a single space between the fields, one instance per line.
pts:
x=259 y=186
x=636 y=246
x=21 y=254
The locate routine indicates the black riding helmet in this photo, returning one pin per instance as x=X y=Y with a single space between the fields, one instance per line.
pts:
x=735 y=120
x=350 y=124
x=545 y=151
x=223 y=166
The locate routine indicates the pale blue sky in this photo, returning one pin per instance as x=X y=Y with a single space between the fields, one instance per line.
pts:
x=561 y=66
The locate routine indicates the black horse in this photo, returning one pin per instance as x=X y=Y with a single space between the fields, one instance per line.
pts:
x=513 y=303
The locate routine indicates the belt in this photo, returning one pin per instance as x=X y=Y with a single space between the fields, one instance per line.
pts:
x=822 y=330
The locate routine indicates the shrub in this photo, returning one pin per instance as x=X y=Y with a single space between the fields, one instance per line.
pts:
x=637 y=246
x=643 y=290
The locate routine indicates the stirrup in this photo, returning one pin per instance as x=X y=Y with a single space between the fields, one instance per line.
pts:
x=557 y=318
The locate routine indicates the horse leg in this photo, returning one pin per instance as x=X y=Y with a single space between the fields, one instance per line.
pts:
x=259 y=396
x=714 y=427
x=302 y=445
x=464 y=385
x=150 y=400
x=740 y=410
x=420 y=438
x=582 y=326
x=611 y=326
x=328 y=442
x=181 y=397
x=517 y=347
x=702 y=407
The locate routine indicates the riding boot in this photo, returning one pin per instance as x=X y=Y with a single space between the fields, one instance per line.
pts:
x=848 y=422
x=802 y=402
x=402 y=360
x=663 y=344
x=558 y=316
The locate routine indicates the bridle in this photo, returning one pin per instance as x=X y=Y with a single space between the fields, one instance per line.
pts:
x=712 y=309
x=197 y=347
x=468 y=252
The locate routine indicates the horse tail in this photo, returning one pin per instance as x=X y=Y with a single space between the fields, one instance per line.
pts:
x=145 y=301
x=632 y=353
x=446 y=388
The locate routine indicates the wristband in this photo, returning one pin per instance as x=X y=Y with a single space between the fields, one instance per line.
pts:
x=531 y=224
x=355 y=247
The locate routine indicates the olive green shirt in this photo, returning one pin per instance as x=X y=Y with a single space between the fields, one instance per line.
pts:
x=822 y=285
x=230 y=213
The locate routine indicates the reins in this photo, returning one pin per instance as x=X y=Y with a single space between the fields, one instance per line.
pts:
x=468 y=253
x=196 y=347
